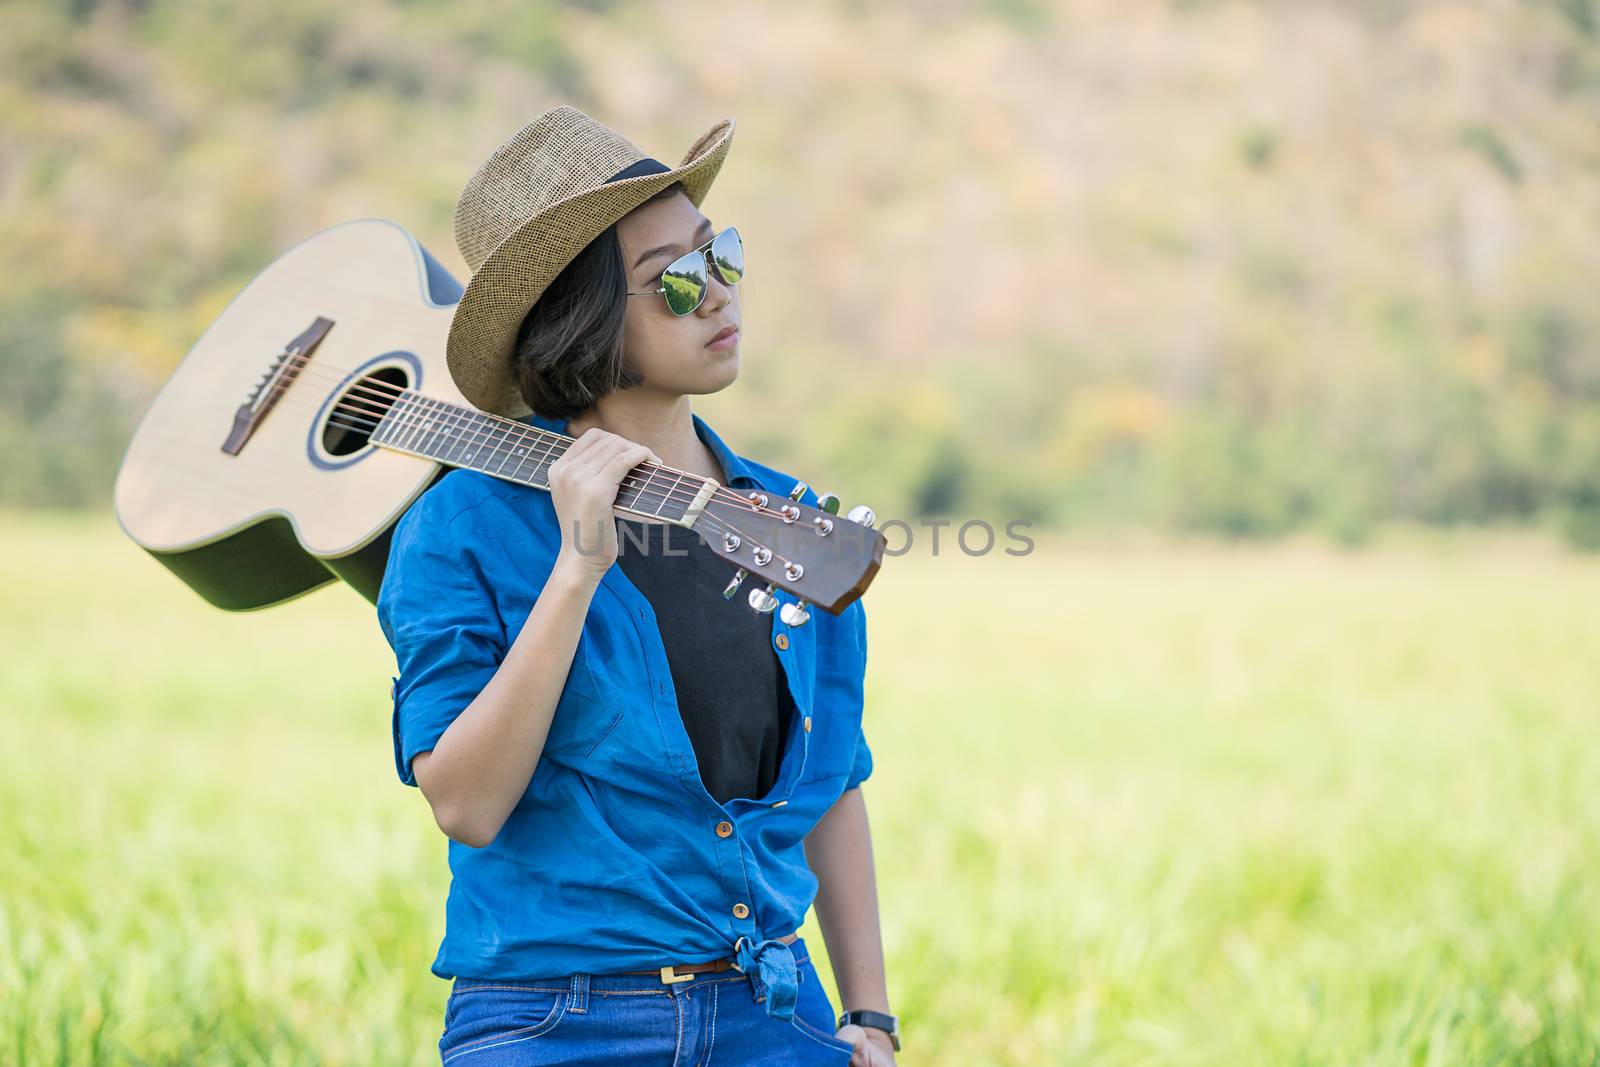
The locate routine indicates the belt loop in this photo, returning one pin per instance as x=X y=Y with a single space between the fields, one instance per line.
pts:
x=578 y=995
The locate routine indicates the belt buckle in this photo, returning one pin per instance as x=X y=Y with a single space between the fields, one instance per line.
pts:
x=669 y=977
x=733 y=960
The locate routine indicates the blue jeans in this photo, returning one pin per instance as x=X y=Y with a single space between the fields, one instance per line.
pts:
x=583 y=1019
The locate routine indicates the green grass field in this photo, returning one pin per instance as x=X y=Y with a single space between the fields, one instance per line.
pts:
x=1133 y=805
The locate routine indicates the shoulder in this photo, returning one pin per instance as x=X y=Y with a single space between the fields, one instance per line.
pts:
x=458 y=524
x=470 y=499
x=458 y=491
x=774 y=479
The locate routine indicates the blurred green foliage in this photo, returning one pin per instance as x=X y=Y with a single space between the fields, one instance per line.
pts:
x=1178 y=805
x=1234 y=267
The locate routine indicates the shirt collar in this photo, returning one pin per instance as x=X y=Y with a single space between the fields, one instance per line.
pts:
x=738 y=471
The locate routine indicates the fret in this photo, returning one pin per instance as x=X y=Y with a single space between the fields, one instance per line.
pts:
x=483 y=450
x=437 y=426
x=656 y=498
x=660 y=490
x=472 y=437
x=412 y=418
x=459 y=445
x=515 y=451
x=410 y=423
x=533 y=446
x=491 y=437
x=410 y=409
x=551 y=447
x=509 y=438
x=385 y=421
x=522 y=449
x=677 y=500
x=396 y=422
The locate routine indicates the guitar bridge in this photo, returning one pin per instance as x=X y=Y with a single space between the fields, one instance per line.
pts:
x=281 y=373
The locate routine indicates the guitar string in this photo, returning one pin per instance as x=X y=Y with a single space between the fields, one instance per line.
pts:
x=376 y=391
x=417 y=423
x=717 y=525
x=370 y=386
x=714 y=522
x=412 y=428
x=642 y=488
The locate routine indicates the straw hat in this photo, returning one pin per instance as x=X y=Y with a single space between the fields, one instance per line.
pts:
x=530 y=208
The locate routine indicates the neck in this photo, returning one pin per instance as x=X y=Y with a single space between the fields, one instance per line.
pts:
x=664 y=424
x=465 y=437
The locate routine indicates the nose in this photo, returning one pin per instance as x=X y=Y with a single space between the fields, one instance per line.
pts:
x=718 y=292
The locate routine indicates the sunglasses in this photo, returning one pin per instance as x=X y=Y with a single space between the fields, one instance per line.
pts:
x=686 y=279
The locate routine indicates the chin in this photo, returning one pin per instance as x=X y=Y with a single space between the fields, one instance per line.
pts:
x=722 y=375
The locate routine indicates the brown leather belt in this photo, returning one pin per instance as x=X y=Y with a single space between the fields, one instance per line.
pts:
x=685 y=972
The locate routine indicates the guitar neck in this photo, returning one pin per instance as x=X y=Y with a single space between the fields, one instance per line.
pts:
x=517 y=452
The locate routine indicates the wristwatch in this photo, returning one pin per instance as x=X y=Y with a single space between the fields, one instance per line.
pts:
x=878 y=1020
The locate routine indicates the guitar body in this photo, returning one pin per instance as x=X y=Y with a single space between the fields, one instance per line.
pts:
x=301 y=503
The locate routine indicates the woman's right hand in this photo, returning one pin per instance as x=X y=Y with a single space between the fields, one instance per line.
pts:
x=584 y=481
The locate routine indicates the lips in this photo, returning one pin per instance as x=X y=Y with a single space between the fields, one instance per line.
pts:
x=727 y=331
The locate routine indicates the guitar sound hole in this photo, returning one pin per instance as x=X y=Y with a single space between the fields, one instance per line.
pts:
x=355 y=415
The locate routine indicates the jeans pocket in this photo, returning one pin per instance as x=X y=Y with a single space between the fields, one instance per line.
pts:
x=813 y=1011
x=845 y=1049
x=483 y=1018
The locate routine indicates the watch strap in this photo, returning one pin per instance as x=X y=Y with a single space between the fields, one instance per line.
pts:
x=878 y=1020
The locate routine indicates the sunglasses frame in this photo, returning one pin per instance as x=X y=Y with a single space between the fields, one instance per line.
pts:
x=704 y=252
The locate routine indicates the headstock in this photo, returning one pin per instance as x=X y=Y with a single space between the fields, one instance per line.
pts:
x=808 y=551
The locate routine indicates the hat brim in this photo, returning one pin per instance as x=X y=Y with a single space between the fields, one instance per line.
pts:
x=498 y=296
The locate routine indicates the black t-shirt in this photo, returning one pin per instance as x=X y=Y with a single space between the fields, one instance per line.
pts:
x=732 y=693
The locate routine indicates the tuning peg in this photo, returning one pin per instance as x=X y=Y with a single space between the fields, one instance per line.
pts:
x=794 y=614
x=828 y=502
x=763 y=600
x=863 y=515
x=798 y=491
x=733 y=584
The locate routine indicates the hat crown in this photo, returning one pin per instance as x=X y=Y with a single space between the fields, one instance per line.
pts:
x=558 y=155
x=528 y=210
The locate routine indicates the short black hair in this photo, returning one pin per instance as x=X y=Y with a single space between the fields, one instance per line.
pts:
x=569 y=350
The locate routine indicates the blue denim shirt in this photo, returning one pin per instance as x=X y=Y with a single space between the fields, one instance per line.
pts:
x=611 y=860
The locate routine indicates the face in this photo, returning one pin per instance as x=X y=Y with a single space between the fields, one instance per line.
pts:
x=670 y=350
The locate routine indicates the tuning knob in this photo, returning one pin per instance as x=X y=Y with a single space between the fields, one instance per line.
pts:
x=798 y=491
x=763 y=600
x=794 y=614
x=733 y=584
x=828 y=502
x=863 y=515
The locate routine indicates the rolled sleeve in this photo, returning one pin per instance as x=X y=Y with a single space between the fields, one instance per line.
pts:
x=436 y=610
x=861 y=766
x=861 y=770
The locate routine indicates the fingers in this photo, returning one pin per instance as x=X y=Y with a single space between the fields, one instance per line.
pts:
x=579 y=457
x=617 y=467
x=586 y=455
x=858 y=1037
x=867 y=1052
x=596 y=464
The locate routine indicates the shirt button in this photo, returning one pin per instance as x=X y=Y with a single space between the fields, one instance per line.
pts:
x=782 y=640
x=724 y=829
x=806 y=724
x=741 y=912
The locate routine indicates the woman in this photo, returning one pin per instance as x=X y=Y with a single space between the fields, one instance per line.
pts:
x=645 y=784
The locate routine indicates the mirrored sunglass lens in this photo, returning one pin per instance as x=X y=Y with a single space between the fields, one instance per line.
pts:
x=728 y=252
x=685 y=282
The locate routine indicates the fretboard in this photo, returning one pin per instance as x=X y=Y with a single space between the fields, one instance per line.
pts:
x=466 y=437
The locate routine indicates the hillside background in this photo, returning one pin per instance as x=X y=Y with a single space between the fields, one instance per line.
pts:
x=1240 y=267
x=1207 y=291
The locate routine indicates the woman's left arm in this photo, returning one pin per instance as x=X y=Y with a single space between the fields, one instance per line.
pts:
x=839 y=851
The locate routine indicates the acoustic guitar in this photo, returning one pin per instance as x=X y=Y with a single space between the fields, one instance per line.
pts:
x=317 y=408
